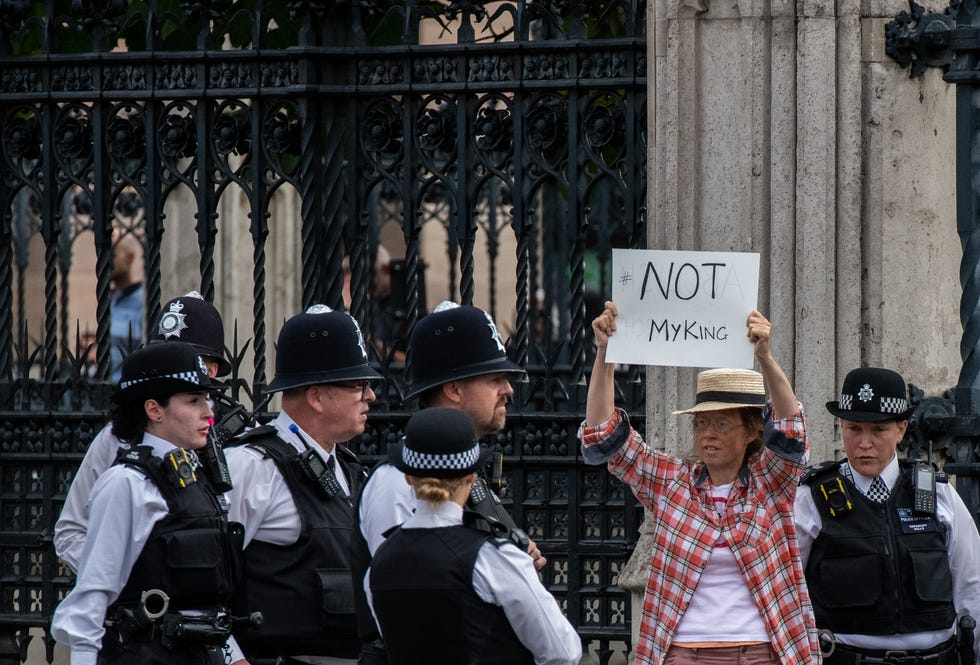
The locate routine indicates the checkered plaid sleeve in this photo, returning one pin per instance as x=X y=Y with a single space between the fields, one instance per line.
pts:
x=786 y=437
x=647 y=471
x=600 y=442
x=628 y=457
x=785 y=454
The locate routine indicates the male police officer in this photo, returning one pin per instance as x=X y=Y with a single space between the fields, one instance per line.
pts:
x=457 y=360
x=293 y=489
x=188 y=318
x=891 y=556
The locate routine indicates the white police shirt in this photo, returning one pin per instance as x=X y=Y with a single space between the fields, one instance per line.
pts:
x=262 y=502
x=72 y=524
x=962 y=547
x=124 y=507
x=387 y=500
x=505 y=576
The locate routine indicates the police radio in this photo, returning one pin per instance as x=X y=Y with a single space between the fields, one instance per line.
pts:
x=923 y=489
x=316 y=470
x=212 y=455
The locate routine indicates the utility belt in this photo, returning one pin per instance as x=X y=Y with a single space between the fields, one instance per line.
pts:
x=836 y=653
x=151 y=620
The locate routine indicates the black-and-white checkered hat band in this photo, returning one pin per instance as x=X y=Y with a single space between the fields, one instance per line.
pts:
x=456 y=461
x=886 y=405
x=189 y=377
x=161 y=369
x=439 y=442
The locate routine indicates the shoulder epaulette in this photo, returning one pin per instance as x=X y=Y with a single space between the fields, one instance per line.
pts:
x=137 y=456
x=346 y=454
x=830 y=466
x=142 y=458
x=485 y=523
x=251 y=434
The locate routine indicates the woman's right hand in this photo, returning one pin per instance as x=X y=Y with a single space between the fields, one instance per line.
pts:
x=605 y=324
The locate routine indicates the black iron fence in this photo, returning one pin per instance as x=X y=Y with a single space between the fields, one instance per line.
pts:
x=515 y=130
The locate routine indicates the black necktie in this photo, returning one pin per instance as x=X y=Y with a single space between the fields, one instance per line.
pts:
x=336 y=489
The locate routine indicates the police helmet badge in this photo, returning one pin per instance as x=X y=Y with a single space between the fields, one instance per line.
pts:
x=360 y=337
x=494 y=333
x=172 y=322
x=201 y=365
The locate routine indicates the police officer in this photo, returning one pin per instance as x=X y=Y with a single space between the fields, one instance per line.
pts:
x=892 y=557
x=457 y=360
x=160 y=556
x=188 y=318
x=450 y=593
x=293 y=485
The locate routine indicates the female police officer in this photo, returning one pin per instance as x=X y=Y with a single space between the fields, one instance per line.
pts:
x=446 y=593
x=160 y=555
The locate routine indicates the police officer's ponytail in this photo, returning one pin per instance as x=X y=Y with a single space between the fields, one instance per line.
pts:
x=436 y=490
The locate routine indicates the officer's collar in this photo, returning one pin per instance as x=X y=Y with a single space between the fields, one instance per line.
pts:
x=282 y=424
x=160 y=447
x=889 y=474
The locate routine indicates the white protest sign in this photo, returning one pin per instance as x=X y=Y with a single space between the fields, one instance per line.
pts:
x=683 y=309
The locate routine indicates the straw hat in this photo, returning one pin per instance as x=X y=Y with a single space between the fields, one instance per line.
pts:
x=728 y=389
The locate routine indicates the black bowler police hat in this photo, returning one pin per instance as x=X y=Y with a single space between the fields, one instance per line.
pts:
x=192 y=319
x=455 y=342
x=160 y=370
x=872 y=394
x=320 y=346
x=439 y=443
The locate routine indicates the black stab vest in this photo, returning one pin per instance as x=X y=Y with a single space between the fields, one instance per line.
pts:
x=877 y=569
x=496 y=521
x=304 y=590
x=422 y=591
x=193 y=554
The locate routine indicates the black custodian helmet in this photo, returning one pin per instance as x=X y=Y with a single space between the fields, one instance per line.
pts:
x=455 y=342
x=320 y=346
x=160 y=370
x=192 y=319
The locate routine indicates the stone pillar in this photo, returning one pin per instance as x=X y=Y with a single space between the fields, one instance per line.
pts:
x=781 y=128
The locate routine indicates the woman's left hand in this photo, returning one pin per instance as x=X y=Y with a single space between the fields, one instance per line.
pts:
x=759 y=331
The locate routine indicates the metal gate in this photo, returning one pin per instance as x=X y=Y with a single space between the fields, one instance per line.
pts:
x=516 y=130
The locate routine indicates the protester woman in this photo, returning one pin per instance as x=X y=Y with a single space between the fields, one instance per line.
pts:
x=160 y=556
x=445 y=592
x=726 y=584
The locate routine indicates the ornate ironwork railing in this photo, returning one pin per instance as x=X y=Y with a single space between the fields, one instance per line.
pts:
x=512 y=132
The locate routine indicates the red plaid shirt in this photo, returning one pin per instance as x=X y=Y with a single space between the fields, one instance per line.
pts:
x=757 y=524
